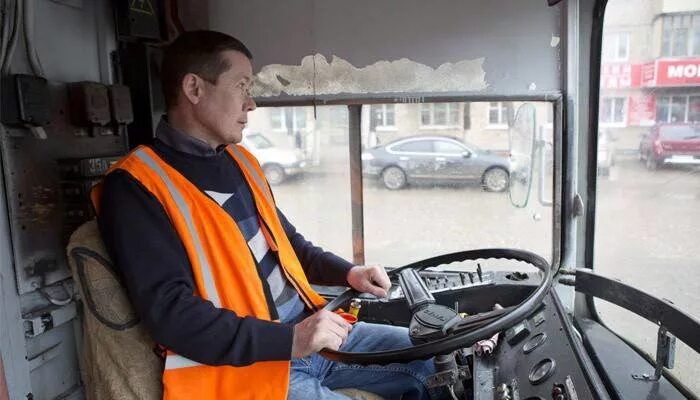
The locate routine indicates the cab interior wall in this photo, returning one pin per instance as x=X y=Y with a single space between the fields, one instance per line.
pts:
x=73 y=40
x=518 y=42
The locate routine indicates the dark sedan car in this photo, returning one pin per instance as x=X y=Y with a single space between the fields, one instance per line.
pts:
x=434 y=159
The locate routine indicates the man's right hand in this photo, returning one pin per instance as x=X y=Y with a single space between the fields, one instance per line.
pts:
x=324 y=329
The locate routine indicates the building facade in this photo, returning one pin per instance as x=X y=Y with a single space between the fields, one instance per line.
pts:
x=650 y=72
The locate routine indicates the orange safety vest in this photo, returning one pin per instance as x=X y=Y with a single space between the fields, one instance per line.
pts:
x=224 y=272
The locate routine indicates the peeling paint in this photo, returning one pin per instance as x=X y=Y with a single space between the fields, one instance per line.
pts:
x=316 y=76
x=555 y=41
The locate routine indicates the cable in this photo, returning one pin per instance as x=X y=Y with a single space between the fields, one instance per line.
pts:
x=57 y=302
x=32 y=54
x=5 y=10
x=13 y=38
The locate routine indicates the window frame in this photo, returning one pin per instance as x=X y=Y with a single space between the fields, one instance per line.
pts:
x=616 y=47
x=670 y=33
x=384 y=111
x=295 y=120
x=667 y=108
x=614 y=123
x=451 y=109
x=502 y=115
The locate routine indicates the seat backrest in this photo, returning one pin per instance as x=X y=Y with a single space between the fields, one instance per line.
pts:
x=118 y=357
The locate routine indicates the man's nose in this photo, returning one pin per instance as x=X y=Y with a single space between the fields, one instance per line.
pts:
x=250 y=104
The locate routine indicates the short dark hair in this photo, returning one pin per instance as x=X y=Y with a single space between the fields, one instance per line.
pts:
x=197 y=52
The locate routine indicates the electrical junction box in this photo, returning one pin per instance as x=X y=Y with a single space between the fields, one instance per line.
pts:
x=25 y=101
x=120 y=104
x=89 y=104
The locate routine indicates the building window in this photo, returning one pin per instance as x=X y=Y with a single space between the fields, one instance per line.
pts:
x=299 y=118
x=680 y=35
x=288 y=118
x=277 y=119
x=616 y=47
x=383 y=116
x=498 y=117
x=613 y=110
x=439 y=115
x=670 y=109
x=693 y=108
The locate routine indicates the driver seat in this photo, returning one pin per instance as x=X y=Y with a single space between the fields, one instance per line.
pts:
x=119 y=360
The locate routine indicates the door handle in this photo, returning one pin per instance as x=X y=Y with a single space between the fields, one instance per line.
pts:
x=403 y=158
x=440 y=159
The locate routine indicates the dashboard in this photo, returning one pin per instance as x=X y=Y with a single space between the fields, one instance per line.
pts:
x=536 y=359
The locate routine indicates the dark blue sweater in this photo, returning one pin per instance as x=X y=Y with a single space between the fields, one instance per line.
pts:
x=151 y=260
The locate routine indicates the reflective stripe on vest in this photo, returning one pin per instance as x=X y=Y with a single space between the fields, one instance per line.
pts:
x=259 y=180
x=224 y=272
x=175 y=361
x=211 y=292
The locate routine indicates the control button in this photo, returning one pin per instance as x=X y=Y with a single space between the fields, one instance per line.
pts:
x=558 y=392
x=517 y=333
x=538 y=319
x=534 y=342
x=517 y=276
x=541 y=371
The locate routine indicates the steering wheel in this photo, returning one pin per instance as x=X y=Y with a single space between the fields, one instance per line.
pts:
x=452 y=331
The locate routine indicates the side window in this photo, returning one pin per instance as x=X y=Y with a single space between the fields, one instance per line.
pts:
x=647 y=185
x=416 y=146
x=446 y=147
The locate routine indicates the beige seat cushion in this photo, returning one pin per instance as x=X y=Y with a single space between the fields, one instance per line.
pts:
x=118 y=358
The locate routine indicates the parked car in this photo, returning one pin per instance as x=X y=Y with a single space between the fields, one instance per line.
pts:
x=670 y=144
x=277 y=163
x=434 y=159
x=606 y=152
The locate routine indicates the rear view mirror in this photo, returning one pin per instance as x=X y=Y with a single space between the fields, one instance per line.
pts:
x=522 y=154
x=466 y=154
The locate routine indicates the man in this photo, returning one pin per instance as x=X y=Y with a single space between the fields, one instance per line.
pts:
x=217 y=274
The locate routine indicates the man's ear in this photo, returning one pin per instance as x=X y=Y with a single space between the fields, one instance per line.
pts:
x=192 y=88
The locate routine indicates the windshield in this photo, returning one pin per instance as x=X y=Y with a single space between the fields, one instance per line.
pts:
x=679 y=132
x=420 y=197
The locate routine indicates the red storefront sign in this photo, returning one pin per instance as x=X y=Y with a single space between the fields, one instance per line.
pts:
x=671 y=72
x=620 y=76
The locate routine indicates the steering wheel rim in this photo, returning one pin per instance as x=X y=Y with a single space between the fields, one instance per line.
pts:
x=454 y=341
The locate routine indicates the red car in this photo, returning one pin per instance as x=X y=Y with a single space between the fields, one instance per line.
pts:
x=671 y=144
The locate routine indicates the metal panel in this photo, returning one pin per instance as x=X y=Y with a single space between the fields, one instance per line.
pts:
x=73 y=43
x=432 y=33
x=53 y=363
x=682 y=325
x=11 y=335
x=33 y=185
x=73 y=40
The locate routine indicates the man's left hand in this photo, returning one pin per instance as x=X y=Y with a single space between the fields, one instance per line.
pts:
x=369 y=279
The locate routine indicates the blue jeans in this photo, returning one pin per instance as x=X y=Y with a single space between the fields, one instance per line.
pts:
x=315 y=377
